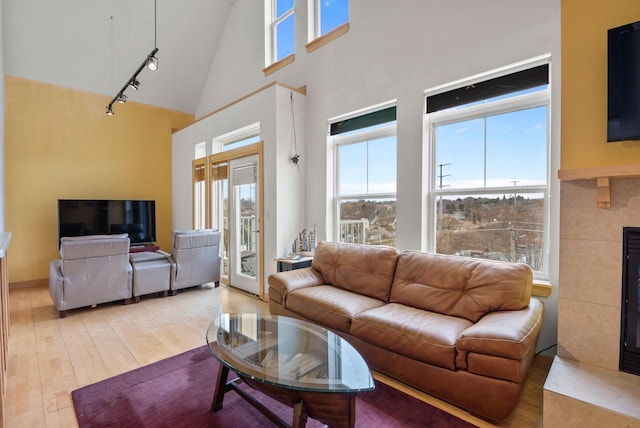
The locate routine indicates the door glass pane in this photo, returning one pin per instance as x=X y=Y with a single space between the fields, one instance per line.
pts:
x=246 y=194
x=220 y=209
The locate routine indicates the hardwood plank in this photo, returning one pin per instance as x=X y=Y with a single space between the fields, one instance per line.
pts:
x=49 y=357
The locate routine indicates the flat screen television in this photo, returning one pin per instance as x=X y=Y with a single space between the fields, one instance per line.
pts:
x=82 y=217
x=623 y=67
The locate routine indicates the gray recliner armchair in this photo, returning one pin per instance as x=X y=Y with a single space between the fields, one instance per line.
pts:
x=91 y=270
x=196 y=254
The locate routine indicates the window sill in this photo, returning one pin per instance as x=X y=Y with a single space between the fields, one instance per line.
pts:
x=279 y=64
x=541 y=288
x=328 y=38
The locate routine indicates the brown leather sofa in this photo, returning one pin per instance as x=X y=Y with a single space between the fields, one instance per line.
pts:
x=464 y=330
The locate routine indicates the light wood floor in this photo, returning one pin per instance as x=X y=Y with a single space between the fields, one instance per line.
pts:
x=50 y=357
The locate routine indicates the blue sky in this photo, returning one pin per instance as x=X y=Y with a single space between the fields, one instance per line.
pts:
x=332 y=12
x=516 y=150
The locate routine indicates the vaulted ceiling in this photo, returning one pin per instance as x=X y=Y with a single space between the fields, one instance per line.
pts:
x=97 y=45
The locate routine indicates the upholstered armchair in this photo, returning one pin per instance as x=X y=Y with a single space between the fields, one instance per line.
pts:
x=91 y=270
x=196 y=254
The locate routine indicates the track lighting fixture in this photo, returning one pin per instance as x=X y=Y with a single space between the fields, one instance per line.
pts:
x=134 y=84
x=151 y=62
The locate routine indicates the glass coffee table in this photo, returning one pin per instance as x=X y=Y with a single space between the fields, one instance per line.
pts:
x=300 y=364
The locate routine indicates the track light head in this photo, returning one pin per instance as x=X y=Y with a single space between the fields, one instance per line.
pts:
x=121 y=98
x=152 y=63
x=110 y=110
x=134 y=83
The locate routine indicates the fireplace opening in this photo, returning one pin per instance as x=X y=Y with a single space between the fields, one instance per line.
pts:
x=630 y=314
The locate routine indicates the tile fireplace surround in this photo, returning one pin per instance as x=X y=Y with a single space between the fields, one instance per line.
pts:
x=584 y=387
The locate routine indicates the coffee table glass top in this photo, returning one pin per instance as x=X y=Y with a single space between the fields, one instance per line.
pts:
x=288 y=352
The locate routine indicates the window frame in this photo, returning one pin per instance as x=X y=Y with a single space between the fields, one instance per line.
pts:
x=315 y=39
x=272 y=24
x=351 y=138
x=540 y=98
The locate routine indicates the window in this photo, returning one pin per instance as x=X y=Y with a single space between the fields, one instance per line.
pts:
x=200 y=150
x=365 y=178
x=329 y=14
x=238 y=138
x=199 y=193
x=280 y=42
x=489 y=185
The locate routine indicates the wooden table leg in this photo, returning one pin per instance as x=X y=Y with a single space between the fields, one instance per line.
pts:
x=299 y=415
x=221 y=388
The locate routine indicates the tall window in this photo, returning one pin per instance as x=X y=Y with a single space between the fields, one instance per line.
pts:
x=329 y=14
x=281 y=35
x=489 y=185
x=365 y=168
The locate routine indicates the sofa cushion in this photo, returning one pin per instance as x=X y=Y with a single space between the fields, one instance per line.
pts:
x=424 y=336
x=83 y=247
x=460 y=286
x=329 y=306
x=363 y=269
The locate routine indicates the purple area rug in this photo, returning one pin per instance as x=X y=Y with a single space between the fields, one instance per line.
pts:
x=177 y=392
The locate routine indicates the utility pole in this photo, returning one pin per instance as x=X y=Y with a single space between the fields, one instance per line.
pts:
x=515 y=183
x=440 y=186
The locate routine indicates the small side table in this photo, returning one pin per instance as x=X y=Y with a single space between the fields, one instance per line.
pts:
x=289 y=263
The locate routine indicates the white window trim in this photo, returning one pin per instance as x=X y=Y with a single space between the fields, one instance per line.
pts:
x=314 y=21
x=356 y=138
x=243 y=133
x=271 y=33
x=507 y=105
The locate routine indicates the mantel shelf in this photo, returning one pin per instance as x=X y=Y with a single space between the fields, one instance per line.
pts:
x=603 y=176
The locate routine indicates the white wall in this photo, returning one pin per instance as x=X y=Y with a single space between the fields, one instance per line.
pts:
x=284 y=182
x=1 y=125
x=393 y=51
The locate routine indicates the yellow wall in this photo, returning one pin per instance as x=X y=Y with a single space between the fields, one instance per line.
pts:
x=584 y=83
x=59 y=143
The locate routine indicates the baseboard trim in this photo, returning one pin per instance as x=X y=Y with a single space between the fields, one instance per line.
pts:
x=31 y=283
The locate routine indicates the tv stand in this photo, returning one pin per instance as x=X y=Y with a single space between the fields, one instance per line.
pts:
x=139 y=248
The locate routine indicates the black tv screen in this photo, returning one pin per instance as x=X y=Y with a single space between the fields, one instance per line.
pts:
x=623 y=112
x=82 y=217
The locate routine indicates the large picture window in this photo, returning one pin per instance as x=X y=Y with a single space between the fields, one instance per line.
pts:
x=489 y=185
x=365 y=166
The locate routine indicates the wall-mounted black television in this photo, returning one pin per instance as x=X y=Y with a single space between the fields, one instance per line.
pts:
x=623 y=67
x=82 y=217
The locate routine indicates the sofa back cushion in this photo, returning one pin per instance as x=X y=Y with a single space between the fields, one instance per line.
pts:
x=460 y=286
x=363 y=269
x=84 y=247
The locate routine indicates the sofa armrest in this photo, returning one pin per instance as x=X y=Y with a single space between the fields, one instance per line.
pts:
x=509 y=334
x=56 y=284
x=283 y=283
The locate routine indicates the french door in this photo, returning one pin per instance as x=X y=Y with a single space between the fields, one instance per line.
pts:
x=233 y=205
x=244 y=224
